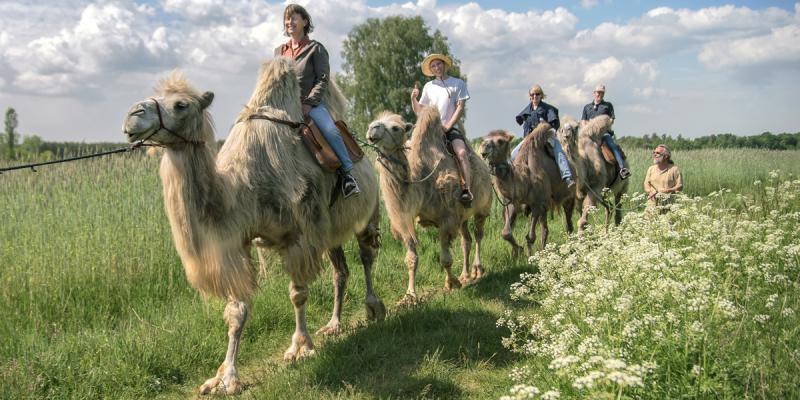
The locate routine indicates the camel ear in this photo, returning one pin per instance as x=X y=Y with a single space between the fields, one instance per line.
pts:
x=206 y=99
x=507 y=137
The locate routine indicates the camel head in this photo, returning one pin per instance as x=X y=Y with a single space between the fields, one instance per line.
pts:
x=175 y=115
x=388 y=132
x=495 y=148
x=568 y=131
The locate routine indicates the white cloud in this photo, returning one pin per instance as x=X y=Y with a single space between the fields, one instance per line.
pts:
x=606 y=70
x=781 y=46
x=588 y=3
x=497 y=30
x=663 y=31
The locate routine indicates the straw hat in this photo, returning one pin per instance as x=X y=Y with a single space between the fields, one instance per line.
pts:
x=600 y=88
x=426 y=63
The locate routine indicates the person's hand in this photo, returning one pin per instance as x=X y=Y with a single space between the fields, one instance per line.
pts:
x=306 y=109
x=415 y=92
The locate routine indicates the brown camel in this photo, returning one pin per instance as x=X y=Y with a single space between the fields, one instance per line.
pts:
x=262 y=184
x=594 y=174
x=533 y=181
x=421 y=182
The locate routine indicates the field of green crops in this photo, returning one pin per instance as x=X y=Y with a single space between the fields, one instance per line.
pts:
x=699 y=303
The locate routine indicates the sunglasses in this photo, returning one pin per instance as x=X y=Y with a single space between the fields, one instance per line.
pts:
x=534 y=94
x=656 y=153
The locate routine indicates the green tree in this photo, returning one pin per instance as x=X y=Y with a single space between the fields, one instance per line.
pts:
x=382 y=63
x=31 y=146
x=11 y=135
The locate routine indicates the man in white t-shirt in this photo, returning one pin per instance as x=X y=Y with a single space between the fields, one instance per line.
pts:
x=448 y=94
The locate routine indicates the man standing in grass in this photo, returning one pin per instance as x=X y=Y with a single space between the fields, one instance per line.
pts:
x=663 y=177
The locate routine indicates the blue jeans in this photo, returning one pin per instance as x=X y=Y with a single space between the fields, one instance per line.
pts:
x=322 y=118
x=561 y=158
x=608 y=139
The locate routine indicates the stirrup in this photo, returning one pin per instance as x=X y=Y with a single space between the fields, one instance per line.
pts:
x=349 y=186
x=624 y=173
x=466 y=198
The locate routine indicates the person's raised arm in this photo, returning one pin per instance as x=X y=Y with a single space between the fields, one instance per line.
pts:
x=414 y=102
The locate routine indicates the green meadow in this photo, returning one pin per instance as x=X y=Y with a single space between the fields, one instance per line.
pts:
x=94 y=302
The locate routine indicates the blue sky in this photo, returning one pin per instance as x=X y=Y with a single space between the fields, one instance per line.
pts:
x=690 y=68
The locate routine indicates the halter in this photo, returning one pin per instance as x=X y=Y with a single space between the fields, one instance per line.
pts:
x=161 y=126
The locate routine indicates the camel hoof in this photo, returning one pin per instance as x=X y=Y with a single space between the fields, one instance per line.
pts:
x=408 y=299
x=330 y=329
x=376 y=311
x=293 y=355
x=218 y=386
x=464 y=279
x=452 y=284
x=477 y=272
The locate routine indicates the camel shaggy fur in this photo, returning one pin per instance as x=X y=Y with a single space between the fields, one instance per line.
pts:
x=421 y=183
x=533 y=180
x=262 y=184
x=594 y=174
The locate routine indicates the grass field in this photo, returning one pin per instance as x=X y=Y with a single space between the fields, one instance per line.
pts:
x=95 y=304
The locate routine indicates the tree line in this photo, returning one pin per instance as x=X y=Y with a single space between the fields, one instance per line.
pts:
x=381 y=65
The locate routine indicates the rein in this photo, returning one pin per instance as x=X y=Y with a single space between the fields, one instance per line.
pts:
x=64 y=160
x=494 y=187
x=291 y=124
x=383 y=156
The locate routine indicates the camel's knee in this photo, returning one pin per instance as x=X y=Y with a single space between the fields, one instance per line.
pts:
x=235 y=314
x=298 y=294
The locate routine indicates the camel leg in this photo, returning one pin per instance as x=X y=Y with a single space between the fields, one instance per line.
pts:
x=466 y=248
x=445 y=237
x=584 y=219
x=301 y=346
x=369 y=241
x=545 y=230
x=340 y=275
x=508 y=230
x=227 y=379
x=617 y=209
x=477 y=267
x=530 y=238
x=412 y=259
x=569 y=207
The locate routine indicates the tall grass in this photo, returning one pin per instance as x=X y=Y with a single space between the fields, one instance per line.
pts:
x=95 y=304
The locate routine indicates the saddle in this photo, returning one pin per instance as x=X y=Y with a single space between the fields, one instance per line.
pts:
x=319 y=147
x=609 y=155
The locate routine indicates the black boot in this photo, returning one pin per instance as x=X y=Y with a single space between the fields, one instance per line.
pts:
x=349 y=186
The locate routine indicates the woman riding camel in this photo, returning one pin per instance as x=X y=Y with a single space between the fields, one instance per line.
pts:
x=313 y=73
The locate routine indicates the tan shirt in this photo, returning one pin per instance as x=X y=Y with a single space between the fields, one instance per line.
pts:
x=661 y=180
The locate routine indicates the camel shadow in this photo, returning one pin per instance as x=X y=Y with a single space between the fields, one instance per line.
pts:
x=413 y=354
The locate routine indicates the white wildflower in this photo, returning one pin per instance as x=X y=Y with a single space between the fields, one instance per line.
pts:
x=761 y=318
x=787 y=312
x=696 y=369
x=771 y=300
x=551 y=395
